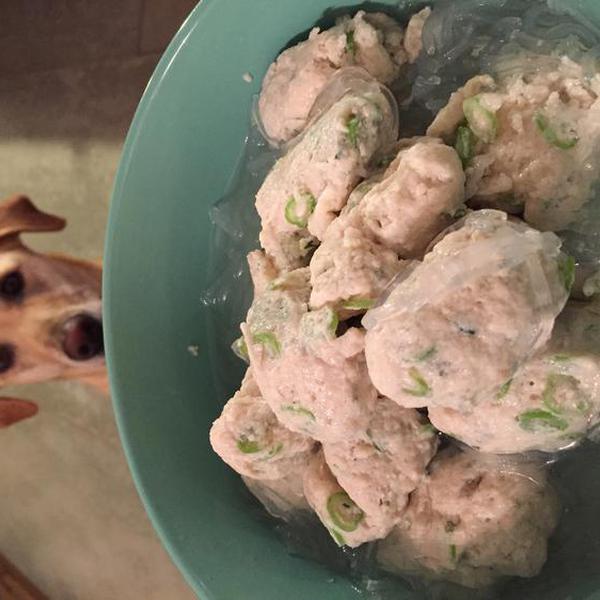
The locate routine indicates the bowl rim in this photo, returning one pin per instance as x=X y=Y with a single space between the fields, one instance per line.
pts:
x=192 y=21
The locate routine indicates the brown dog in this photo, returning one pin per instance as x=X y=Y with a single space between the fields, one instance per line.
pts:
x=50 y=311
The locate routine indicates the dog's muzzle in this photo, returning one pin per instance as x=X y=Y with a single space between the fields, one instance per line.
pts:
x=82 y=337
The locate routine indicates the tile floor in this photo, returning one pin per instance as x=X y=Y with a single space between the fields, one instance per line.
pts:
x=71 y=74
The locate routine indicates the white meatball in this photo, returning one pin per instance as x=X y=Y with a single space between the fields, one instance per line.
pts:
x=380 y=470
x=458 y=326
x=311 y=183
x=472 y=522
x=248 y=437
x=347 y=523
x=350 y=269
x=416 y=198
x=295 y=79
x=396 y=213
x=452 y=115
x=536 y=142
x=552 y=401
x=316 y=383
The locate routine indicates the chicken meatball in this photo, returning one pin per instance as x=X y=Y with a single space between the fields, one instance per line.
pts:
x=248 y=437
x=350 y=269
x=460 y=323
x=397 y=213
x=380 y=470
x=316 y=383
x=472 y=522
x=311 y=183
x=420 y=191
x=550 y=403
x=293 y=82
x=529 y=142
x=348 y=524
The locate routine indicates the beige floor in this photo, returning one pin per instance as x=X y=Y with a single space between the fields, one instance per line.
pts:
x=71 y=74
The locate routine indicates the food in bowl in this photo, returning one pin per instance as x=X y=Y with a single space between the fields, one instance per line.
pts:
x=416 y=353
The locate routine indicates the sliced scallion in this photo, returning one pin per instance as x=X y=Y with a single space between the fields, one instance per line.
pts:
x=343 y=511
x=337 y=536
x=426 y=354
x=298 y=211
x=299 y=410
x=350 y=43
x=352 y=127
x=248 y=446
x=465 y=144
x=482 y=122
x=541 y=420
x=503 y=389
x=566 y=271
x=421 y=387
x=240 y=349
x=550 y=134
x=358 y=303
x=270 y=342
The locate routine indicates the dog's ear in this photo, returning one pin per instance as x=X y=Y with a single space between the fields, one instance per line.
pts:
x=18 y=214
x=13 y=410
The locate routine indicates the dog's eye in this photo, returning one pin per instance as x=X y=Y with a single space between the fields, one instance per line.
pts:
x=7 y=357
x=12 y=285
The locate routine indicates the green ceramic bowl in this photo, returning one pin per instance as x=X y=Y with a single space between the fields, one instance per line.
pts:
x=180 y=155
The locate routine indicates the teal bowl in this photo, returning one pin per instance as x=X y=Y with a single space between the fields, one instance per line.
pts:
x=181 y=154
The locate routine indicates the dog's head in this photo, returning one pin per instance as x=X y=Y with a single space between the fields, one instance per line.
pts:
x=50 y=305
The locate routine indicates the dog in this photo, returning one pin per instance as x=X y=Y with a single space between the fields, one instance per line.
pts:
x=50 y=311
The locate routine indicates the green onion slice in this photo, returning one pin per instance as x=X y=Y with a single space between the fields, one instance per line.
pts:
x=550 y=134
x=350 y=43
x=337 y=536
x=465 y=144
x=358 y=303
x=482 y=122
x=421 y=387
x=541 y=420
x=343 y=511
x=566 y=271
x=426 y=354
x=352 y=127
x=453 y=553
x=240 y=349
x=299 y=410
x=503 y=389
x=297 y=211
x=248 y=446
x=274 y=450
x=334 y=321
x=269 y=341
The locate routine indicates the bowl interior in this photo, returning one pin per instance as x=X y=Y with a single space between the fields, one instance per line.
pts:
x=180 y=157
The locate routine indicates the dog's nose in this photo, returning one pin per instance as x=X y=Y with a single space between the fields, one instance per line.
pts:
x=82 y=337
